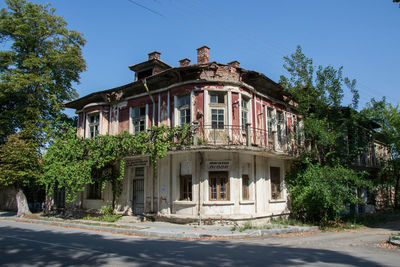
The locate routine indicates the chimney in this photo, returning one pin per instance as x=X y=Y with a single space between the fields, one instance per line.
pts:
x=203 y=54
x=154 y=55
x=234 y=64
x=184 y=62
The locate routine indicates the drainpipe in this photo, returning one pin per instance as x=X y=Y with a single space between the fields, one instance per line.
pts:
x=198 y=172
x=152 y=100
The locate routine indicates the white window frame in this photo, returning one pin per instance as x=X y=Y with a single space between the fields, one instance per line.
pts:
x=218 y=106
x=140 y=118
x=90 y=124
x=244 y=109
x=186 y=108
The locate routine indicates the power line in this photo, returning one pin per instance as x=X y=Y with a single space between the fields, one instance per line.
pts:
x=148 y=9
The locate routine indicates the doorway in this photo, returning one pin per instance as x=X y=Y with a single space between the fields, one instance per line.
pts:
x=138 y=191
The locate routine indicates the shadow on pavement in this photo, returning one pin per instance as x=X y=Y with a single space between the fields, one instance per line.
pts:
x=7 y=213
x=20 y=246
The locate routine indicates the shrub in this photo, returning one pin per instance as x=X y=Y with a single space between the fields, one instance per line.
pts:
x=320 y=194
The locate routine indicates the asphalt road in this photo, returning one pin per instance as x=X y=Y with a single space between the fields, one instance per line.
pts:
x=24 y=244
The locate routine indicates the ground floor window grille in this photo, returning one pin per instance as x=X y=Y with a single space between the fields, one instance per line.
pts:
x=276 y=190
x=245 y=187
x=186 y=188
x=219 y=186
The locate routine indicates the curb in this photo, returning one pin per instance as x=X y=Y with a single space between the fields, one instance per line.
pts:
x=146 y=232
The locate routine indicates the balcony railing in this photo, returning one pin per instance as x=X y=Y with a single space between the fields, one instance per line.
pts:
x=235 y=135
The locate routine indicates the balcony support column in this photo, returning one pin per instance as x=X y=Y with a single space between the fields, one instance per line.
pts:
x=195 y=127
x=248 y=142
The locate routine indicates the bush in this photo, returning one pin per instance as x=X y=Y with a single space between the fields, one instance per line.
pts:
x=320 y=194
x=107 y=215
x=106 y=210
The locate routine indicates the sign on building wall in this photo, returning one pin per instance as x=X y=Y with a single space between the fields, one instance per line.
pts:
x=186 y=168
x=137 y=162
x=219 y=165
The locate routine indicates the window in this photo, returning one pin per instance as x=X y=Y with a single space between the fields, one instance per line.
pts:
x=184 y=109
x=144 y=74
x=270 y=121
x=275 y=182
x=280 y=126
x=219 y=186
x=217 y=118
x=185 y=188
x=139 y=119
x=217 y=98
x=94 y=191
x=245 y=187
x=245 y=112
x=93 y=123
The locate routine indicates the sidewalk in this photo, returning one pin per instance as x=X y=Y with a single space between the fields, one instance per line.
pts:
x=162 y=229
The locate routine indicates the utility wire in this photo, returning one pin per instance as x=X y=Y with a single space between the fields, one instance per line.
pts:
x=148 y=9
x=360 y=88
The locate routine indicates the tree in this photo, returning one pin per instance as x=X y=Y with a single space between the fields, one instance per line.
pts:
x=19 y=166
x=319 y=94
x=388 y=116
x=322 y=183
x=37 y=70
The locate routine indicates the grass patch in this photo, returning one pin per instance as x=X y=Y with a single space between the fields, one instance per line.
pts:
x=104 y=218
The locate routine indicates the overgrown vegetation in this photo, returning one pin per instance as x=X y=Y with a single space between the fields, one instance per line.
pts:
x=321 y=193
x=107 y=214
x=73 y=162
x=323 y=183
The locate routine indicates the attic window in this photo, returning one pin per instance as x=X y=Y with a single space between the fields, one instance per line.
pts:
x=144 y=74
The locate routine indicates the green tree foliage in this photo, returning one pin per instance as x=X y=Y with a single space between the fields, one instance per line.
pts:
x=19 y=167
x=323 y=183
x=320 y=194
x=41 y=61
x=73 y=162
x=37 y=71
x=319 y=94
x=19 y=162
x=388 y=116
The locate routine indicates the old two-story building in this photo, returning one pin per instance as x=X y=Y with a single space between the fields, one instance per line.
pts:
x=246 y=129
x=247 y=136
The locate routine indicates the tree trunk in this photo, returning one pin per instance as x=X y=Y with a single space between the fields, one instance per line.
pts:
x=22 y=203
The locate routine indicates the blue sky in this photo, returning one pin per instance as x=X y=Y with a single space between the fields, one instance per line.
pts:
x=360 y=35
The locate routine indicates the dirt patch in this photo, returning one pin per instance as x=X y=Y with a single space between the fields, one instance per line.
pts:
x=387 y=245
x=298 y=234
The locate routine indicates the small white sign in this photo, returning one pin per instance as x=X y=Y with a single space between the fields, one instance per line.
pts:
x=139 y=162
x=219 y=165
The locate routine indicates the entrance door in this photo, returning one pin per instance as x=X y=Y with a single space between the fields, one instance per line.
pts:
x=138 y=191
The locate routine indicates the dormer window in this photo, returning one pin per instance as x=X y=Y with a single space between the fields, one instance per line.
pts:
x=93 y=124
x=144 y=74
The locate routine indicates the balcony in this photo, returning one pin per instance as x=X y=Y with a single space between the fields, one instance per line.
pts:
x=246 y=137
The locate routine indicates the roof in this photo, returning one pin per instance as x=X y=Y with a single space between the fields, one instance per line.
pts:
x=174 y=75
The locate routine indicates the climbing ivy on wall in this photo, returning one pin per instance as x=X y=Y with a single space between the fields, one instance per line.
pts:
x=72 y=162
